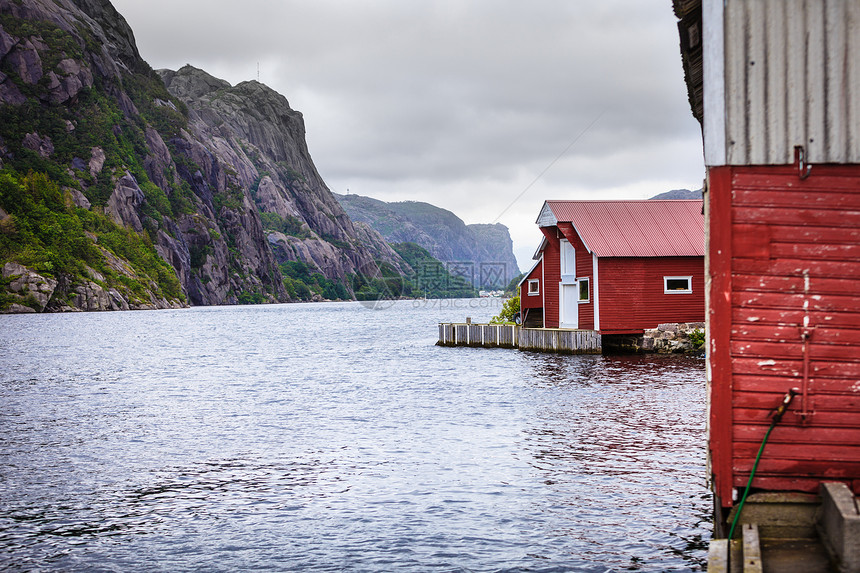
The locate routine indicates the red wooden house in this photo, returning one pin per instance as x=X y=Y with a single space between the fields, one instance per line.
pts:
x=618 y=267
x=777 y=90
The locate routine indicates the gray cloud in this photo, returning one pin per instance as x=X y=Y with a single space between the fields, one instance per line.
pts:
x=460 y=103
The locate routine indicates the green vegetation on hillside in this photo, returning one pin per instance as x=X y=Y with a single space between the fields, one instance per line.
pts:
x=430 y=278
x=302 y=282
x=45 y=232
x=386 y=283
x=291 y=226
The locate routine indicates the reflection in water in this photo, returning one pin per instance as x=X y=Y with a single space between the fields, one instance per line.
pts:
x=332 y=437
x=619 y=432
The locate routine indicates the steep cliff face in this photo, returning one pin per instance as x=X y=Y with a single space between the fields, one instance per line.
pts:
x=482 y=253
x=221 y=188
x=254 y=128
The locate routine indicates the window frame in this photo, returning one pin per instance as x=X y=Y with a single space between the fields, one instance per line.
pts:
x=536 y=291
x=587 y=281
x=688 y=290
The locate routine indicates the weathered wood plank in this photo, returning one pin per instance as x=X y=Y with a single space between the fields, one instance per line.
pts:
x=793 y=368
x=781 y=384
x=834 y=419
x=831 y=252
x=796 y=267
x=789 y=483
x=793 y=284
x=797 y=435
x=798 y=453
x=824 y=334
x=794 y=349
x=786 y=216
x=848 y=302
x=766 y=402
x=805 y=198
x=793 y=317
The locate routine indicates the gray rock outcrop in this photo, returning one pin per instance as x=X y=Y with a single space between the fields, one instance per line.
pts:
x=33 y=289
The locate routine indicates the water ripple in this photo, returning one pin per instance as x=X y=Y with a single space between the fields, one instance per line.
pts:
x=333 y=437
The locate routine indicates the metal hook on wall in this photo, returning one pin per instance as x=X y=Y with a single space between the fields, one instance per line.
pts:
x=803 y=168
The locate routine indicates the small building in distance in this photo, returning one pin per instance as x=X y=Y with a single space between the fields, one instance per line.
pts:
x=617 y=267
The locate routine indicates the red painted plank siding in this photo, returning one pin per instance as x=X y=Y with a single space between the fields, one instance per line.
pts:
x=784 y=251
x=551 y=277
x=632 y=297
x=532 y=301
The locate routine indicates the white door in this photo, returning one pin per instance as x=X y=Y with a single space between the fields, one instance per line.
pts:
x=568 y=262
x=568 y=292
x=569 y=306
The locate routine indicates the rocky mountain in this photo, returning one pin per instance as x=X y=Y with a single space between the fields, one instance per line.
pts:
x=123 y=188
x=482 y=253
x=678 y=195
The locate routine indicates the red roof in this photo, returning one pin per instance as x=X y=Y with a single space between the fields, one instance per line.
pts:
x=633 y=228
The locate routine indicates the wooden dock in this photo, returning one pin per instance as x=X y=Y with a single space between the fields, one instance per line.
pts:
x=562 y=341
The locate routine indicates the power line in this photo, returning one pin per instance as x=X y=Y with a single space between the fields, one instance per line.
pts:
x=551 y=163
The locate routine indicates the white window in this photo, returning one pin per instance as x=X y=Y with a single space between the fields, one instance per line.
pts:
x=534 y=287
x=583 y=290
x=677 y=285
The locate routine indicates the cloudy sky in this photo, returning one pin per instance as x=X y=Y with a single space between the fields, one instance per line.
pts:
x=482 y=107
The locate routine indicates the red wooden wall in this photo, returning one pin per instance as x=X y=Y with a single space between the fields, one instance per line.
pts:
x=532 y=301
x=632 y=297
x=551 y=277
x=784 y=252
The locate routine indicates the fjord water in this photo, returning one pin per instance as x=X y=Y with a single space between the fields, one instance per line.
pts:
x=337 y=437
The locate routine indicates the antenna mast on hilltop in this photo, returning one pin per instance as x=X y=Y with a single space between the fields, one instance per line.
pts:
x=258 y=71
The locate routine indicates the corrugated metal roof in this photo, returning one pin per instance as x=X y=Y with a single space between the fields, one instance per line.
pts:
x=636 y=228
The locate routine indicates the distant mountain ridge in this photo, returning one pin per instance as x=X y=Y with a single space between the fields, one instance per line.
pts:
x=678 y=195
x=482 y=251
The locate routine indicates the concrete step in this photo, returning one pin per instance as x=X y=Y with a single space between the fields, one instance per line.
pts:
x=839 y=525
x=798 y=537
x=787 y=555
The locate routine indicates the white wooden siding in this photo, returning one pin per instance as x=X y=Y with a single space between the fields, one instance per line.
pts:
x=546 y=217
x=790 y=76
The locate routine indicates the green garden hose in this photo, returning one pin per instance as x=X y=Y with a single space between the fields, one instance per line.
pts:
x=777 y=416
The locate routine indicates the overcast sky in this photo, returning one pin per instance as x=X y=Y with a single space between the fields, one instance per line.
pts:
x=482 y=107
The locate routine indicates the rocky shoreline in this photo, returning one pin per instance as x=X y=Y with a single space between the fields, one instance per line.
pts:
x=37 y=293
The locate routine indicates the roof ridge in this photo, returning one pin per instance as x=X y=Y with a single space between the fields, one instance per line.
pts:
x=624 y=200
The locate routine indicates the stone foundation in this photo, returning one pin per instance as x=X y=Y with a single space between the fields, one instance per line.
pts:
x=673 y=337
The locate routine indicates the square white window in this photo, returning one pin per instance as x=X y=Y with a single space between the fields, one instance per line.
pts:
x=534 y=286
x=677 y=285
x=583 y=290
